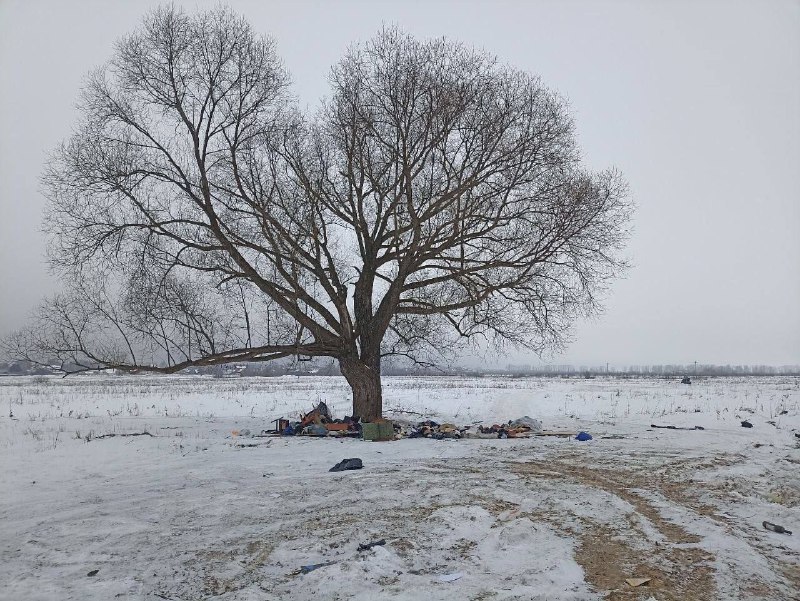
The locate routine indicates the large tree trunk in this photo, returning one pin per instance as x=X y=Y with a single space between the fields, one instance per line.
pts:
x=364 y=378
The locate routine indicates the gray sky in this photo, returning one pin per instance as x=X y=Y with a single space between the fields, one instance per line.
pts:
x=697 y=103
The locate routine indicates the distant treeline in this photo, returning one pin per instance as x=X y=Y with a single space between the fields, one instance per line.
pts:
x=670 y=370
x=329 y=367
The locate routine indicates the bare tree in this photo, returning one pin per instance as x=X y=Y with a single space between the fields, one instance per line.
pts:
x=198 y=218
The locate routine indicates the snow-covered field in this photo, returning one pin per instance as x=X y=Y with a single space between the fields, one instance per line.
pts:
x=193 y=512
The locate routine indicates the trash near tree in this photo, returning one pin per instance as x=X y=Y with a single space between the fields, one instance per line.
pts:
x=319 y=422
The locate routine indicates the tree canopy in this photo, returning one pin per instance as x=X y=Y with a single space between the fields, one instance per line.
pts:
x=197 y=216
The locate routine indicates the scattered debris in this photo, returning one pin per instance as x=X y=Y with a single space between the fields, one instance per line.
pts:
x=450 y=577
x=534 y=425
x=315 y=430
x=776 y=528
x=313 y=566
x=613 y=437
x=316 y=415
x=368 y=546
x=557 y=434
x=113 y=434
x=251 y=445
x=677 y=427
x=583 y=436
x=396 y=410
x=94 y=572
x=518 y=428
x=319 y=422
x=347 y=464
x=637 y=581
x=431 y=429
x=746 y=424
x=521 y=428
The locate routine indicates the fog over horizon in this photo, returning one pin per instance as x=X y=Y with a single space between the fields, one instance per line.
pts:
x=697 y=104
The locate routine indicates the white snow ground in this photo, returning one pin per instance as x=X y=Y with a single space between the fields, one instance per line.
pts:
x=194 y=512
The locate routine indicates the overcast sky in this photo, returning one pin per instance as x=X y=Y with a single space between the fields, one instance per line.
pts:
x=696 y=102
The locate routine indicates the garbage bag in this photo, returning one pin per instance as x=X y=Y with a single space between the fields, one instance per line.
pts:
x=347 y=464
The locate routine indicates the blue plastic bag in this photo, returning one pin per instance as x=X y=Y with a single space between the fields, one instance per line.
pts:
x=583 y=436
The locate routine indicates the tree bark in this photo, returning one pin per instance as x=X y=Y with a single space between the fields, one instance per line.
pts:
x=364 y=377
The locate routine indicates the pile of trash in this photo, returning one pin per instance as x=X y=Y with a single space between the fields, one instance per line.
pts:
x=320 y=422
x=518 y=428
x=430 y=429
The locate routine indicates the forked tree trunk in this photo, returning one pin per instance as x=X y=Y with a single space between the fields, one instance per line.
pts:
x=364 y=378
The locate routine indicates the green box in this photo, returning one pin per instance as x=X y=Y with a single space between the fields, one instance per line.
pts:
x=378 y=431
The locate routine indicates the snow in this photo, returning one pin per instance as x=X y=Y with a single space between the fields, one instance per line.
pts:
x=194 y=512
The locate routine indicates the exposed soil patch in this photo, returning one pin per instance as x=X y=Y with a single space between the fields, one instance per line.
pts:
x=678 y=570
x=678 y=567
x=621 y=483
x=676 y=574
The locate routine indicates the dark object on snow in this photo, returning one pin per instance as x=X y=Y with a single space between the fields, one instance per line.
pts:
x=368 y=546
x=686 y=380
x=676 y=427
x=746 y=424
x=583 y=436
x=113 y=434
x=776 y=528
x=94 y=572
x=315 y=566
x=347 y=464
x=784 y=412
